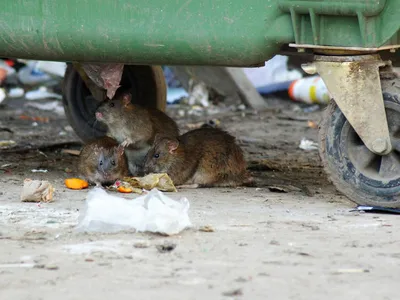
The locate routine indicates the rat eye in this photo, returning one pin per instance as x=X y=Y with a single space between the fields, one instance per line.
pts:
x=113 y=163
x=157 y=155
x=101 y=163
x=111 y=104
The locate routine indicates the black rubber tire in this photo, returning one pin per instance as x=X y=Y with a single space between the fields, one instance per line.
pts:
x=146 y=83
x=358 y=187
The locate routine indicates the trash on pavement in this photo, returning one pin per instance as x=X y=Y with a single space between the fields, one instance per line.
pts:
x=76 y=183
x=41 y=93
x=16 y=92
x=198 y=93
x=7 y=144
x=312 y=124
x=160 y=181
x=377 y=209
x=39 y=171
x=153 y=212
x=2 y=95
x=107 y=76
x=274 y=76
x=308 y=145
x=54 y=106
x=309 y=90
x=37 y=191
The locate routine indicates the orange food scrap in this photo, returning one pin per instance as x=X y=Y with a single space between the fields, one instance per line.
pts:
x=76 y=183
x=123 y=189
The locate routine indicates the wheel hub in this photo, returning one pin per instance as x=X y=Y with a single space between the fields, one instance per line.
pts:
x=371 y=165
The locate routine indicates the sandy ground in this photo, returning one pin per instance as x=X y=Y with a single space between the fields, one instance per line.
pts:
x=302 y=244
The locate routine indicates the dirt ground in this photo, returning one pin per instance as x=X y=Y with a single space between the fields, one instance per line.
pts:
x=301 y=244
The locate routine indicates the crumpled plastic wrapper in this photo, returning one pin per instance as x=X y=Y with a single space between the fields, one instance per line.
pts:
x=153 y=212
x=107 y=76
x=37 y=191
x=160 y=181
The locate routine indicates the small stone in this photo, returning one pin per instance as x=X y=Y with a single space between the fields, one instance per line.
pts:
x=274 y=242
x=166 y=247
x=141 y=245
x=52 y=267
x=89 y=259
x=235 y=292
x=206 y=228
x=128 y=256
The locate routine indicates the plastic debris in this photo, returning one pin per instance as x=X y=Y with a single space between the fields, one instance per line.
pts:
x=274 y=76
x=312 y=124
x=2 y=95
x=37 y=191
x=7 y=144
x=308 y=145
x=39 y=171
x=309 y=90
x=198 y=93
x=54 y=106
x=159 y=181
x=41 y=93
x=107 y=76
x=16 y=92
x=153 y=212
x=31 y=75
x=52 y=67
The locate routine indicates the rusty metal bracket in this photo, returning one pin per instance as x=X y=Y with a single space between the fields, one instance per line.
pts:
x=354 y=83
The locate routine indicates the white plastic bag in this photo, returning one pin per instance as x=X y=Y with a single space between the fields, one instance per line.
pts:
x=153 y=212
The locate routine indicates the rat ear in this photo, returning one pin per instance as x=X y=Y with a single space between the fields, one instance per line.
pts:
x=172 y=145
x=126 y=99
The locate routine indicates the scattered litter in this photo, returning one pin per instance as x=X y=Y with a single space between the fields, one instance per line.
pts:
x=309 y=90
x=107 y=76
x=71 y=152
x=54 y=106
x=273 y=76
x=312 y=108
x=153 y=212
x=160 y=181
x=41 y=93
x=16 y=92
x=343 y=271
x=141 y=245
x=376 y=209
x=166 y=247
x=308 y=145
x=39 y=171
x=51 y=267
x=37 y=191
x=7 y=144
x=277 y=189
x=2 y=95
x=52 y=67
x=174 y=95
x=36 y=119
x=76 y=183
x=198 y=93
x=5 y=166
x=206 y=228
x=235 y=292
x=312 y=124
x=31 y=75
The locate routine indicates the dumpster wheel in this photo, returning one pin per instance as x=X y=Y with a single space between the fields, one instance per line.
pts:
x=363 y=176
x=146 y=83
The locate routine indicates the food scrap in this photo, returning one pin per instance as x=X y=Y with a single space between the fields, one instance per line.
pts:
x=76 y=183
x=37 y=191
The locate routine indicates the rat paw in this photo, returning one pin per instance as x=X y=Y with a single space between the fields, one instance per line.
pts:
x=126 y=143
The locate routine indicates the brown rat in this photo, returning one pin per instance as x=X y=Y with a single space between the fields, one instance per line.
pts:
x=203 y=157
x=103 y=161
x=134 y=127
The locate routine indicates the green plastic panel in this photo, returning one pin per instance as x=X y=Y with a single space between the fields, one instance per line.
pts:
x=344 y=23
x=209 y=32
x=201 y=32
